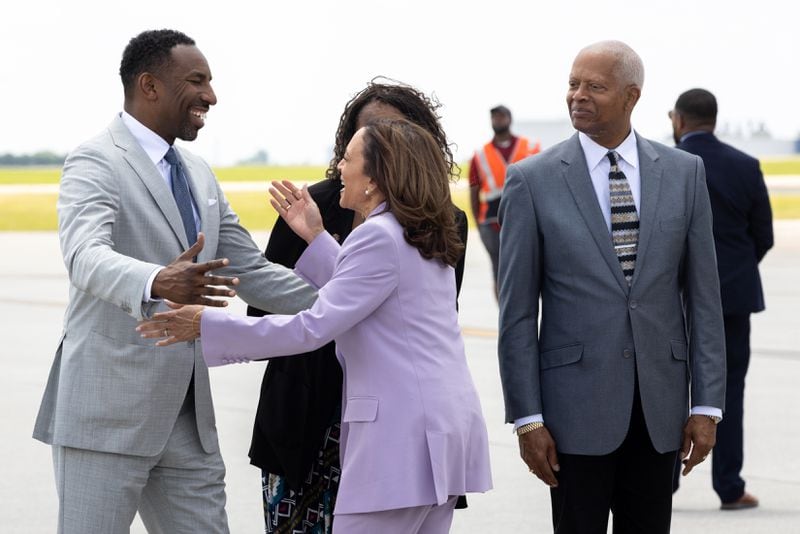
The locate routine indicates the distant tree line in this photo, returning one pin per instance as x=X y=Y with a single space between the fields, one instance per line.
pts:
x=39 y=158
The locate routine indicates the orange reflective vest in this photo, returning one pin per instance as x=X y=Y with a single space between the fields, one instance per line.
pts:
x=492 y=171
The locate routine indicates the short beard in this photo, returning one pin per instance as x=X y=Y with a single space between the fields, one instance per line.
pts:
x=501 y=131
x=187 y=132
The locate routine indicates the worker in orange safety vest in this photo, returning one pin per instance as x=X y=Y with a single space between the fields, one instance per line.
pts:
x=487 y=174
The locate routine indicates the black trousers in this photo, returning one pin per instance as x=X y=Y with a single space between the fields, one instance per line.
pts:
x=728 y=455
x=726 y=462
x=634 y=483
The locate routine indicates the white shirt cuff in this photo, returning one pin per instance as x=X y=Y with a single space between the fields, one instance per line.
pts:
x=697 y=410
x=537 y=418
x=707 y=410
x=148 y=289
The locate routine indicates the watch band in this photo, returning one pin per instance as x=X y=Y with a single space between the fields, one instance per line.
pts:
x=524 y=429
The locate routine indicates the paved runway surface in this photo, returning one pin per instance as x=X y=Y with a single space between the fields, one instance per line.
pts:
x=34 y=298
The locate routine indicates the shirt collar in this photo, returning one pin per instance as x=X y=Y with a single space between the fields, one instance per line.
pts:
x=377 y=210
x=595 y=153
x=687 y=135
x=153 y=144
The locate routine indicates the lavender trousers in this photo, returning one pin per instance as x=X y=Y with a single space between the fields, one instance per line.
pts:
x=429 y=519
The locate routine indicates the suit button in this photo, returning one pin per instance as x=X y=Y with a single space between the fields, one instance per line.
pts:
x=627 y=353
x=634 y=304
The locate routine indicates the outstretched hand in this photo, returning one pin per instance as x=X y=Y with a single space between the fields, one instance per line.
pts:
x=187 y=282
x=180 y=324
x=297 y=208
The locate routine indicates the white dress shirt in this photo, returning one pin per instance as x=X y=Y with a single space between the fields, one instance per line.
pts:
x=599 y=166
x=156 y=148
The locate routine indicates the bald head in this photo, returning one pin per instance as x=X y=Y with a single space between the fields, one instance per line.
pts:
x=628 y=66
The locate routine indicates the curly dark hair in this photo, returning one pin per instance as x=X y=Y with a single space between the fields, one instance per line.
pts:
x=149 y=52
x=408 y=167
x=413 y=104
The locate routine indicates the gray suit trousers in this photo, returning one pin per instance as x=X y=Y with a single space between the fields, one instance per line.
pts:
x=179 y=491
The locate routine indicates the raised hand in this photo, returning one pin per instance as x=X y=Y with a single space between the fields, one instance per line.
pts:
x=186 y=282
x=297 y=208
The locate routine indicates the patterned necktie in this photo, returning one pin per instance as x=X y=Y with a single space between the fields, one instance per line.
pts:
x=182 y=194
x=624 y=219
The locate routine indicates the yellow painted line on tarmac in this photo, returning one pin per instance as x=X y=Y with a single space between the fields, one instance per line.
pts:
x=472 y=331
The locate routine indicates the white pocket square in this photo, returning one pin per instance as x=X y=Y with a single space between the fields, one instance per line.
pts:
x=212 y=201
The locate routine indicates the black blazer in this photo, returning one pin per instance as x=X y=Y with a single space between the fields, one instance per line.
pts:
x=301 y=396
x=742 y=220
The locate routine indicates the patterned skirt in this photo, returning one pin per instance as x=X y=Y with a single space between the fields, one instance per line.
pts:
x=310 y=509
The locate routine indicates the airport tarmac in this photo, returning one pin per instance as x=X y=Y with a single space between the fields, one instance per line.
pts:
x=33 y=302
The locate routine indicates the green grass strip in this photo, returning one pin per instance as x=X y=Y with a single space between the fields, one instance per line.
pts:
x=37 y=212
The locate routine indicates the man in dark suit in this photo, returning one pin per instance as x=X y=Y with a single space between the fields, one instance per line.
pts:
x=610 y=236
x=742 y=236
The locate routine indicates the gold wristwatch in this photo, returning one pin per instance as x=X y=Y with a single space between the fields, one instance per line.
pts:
x=524 y=429
x=715 y=418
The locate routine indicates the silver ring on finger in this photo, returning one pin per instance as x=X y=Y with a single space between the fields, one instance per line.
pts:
x=166 y=332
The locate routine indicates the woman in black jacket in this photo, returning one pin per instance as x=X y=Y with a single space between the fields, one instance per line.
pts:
x=296 y=433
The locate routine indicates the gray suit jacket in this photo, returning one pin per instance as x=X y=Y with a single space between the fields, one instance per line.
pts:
x=579 y=367
x=110 y=390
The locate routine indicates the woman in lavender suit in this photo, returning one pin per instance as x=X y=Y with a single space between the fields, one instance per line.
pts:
x=413 y=436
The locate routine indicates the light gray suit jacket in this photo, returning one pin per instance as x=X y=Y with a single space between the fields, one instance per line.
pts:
x=579 y=367
x=110 y=390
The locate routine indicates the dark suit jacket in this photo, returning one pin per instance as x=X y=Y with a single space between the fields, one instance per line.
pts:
x=301 y=396
x=742 y=220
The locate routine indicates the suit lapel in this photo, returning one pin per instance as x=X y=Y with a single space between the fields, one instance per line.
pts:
x=650 y=171
x=580 y=185
x=150 y=176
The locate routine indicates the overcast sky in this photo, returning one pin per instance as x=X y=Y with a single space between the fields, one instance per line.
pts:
x=284 y=70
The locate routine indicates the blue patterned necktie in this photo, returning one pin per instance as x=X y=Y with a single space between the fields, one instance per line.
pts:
x=624 y=219
x=182 y=194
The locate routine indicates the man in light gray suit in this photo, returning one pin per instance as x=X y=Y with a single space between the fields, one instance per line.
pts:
x=613 y=233
x=132 y=425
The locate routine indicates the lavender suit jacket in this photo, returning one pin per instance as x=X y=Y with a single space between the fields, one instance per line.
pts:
x=412 y=429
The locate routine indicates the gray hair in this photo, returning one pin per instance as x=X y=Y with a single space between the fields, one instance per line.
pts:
x=629 y=66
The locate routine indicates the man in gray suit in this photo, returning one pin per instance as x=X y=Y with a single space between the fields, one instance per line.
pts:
x=132 y=425
x=613 y=233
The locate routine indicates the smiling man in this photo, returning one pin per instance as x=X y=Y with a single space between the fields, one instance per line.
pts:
x=142 y=220
x=613 y=233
